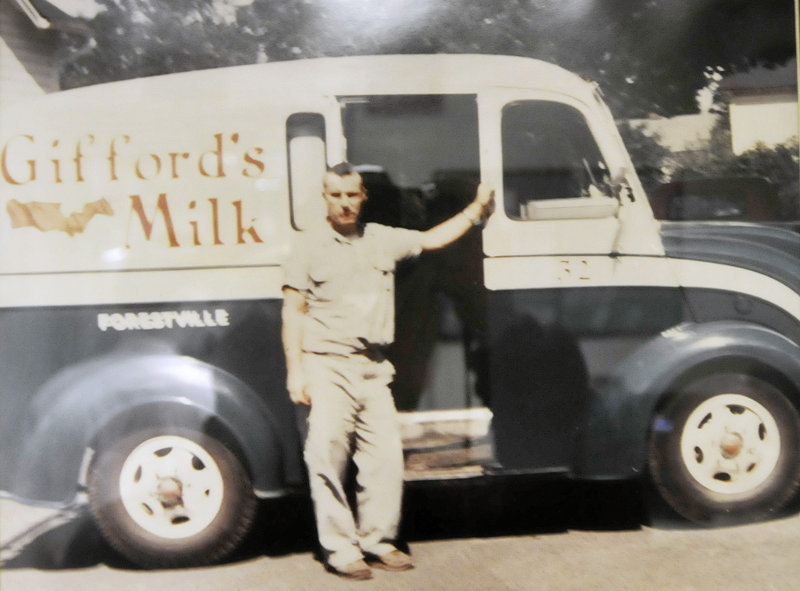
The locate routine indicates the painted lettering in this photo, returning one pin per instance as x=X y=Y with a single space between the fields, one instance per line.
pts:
x=144 y=320
x=24 y=158
x=163 y=211
x=193 y=224
x=112 y=155
x=31 y=172
x=215 y=220
x=216 y=155
x=154 y=164
x=173 y=159
x=161 y=207
x=251 y=158
x=221 y=317
x=241 y=230
x=79 y=158
x=56 y=166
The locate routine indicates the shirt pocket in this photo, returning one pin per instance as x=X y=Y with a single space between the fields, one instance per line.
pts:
x=321 y=273
x=383 y=272
x=383 y=263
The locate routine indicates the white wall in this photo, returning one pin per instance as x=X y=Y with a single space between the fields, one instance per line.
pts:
x=767 y=118
x=679 y=133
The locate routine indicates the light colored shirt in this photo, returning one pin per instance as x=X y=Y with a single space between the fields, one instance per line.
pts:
x=349 y=285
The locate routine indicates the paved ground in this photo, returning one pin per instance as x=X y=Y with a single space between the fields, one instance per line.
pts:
x=506 y=536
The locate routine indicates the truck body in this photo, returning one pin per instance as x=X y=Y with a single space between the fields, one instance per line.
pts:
x=144 y=226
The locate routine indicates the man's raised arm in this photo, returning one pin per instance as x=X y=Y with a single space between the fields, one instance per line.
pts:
x=454 y=228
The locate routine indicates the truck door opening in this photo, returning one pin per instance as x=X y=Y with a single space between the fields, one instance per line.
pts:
x=418 y=155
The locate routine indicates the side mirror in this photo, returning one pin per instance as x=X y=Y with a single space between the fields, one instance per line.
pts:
x=620 y=186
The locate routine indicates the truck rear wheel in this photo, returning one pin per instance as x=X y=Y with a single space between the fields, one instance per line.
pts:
x=726 y=450
x=168 y=500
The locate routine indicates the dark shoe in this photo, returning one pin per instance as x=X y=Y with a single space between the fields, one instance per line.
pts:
x=358 y=571
x=394 y=560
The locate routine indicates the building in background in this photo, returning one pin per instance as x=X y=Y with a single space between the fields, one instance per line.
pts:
x=763 y=106
x=681 y=133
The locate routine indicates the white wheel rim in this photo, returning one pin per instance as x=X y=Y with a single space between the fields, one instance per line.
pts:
x=730 y=444
x=171 y=487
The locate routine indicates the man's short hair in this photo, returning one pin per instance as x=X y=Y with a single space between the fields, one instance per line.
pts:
x=343 y=169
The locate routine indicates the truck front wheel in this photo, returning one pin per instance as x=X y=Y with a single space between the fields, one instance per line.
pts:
x=726 y=450
x=171 y=499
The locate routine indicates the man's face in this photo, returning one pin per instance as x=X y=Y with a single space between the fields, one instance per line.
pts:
x=344 y=196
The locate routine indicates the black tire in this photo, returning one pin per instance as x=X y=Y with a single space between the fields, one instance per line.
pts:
x=726 y=450
x=171 y=499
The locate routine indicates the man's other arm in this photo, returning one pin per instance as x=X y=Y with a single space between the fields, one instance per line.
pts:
x=294 y=309
x=454 y=228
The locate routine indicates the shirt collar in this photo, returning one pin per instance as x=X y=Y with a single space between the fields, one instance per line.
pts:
x=334 y=235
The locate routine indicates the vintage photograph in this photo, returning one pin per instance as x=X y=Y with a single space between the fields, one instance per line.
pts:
x=431 y=295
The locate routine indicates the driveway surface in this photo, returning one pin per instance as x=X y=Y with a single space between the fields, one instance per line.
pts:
x=512 y=535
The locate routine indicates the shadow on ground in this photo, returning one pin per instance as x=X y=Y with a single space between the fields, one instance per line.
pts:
x=495 y=507
x=61 y=542
x=460 y=509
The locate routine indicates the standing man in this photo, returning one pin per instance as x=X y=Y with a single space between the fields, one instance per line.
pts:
x=338 y=316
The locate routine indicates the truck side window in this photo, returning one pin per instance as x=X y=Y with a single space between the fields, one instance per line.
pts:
x=548 y=153
x=305 y=143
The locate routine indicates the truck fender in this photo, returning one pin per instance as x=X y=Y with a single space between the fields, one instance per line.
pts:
x=613 y=441
x=88 y=404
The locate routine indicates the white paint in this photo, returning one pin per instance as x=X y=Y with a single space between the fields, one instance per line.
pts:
x=173 y=285
x=561 y=271
x=735 y=279
x=548 y=272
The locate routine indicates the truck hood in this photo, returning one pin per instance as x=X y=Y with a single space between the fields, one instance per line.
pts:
x=772 y=251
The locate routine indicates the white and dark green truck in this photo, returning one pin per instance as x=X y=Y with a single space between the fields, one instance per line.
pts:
x=142 y=228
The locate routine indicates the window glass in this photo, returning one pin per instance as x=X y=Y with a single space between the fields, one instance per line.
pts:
x=305 y=142
x=548 y=153
x=418 y=155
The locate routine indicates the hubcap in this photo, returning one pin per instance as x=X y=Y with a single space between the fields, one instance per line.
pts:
x=730 y=444
x=171 y=487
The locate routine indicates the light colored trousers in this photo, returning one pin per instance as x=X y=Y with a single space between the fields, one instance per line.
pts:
x=353 y=415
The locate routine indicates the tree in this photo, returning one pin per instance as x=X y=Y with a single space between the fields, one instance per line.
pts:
x=649 y=156
x=649 y=56
x=713 y=160
x=779 y=164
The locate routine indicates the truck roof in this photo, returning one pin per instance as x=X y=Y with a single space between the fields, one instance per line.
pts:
x=352 y=75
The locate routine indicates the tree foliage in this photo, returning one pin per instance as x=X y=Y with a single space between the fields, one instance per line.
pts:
x=649 y=156
x=648 y=55
x=779 y=164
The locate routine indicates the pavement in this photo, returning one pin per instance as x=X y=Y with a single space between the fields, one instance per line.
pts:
x=472 y=537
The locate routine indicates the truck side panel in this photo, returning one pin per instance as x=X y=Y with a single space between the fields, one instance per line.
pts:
x=552 y=350
x=90 y=352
